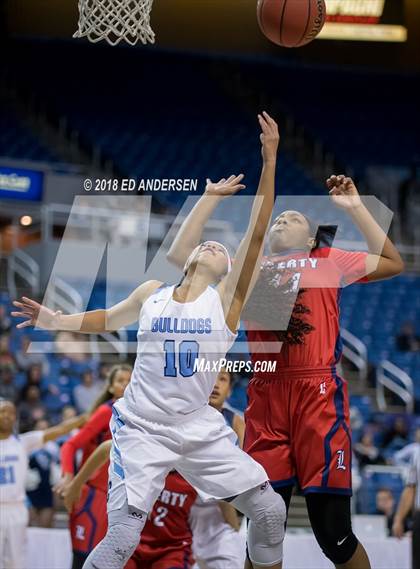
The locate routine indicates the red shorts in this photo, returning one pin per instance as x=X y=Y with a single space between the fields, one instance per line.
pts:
x=173 y=559
x=298 y=428
x=88 y=521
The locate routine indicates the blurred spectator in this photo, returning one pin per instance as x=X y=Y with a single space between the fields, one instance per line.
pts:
x=34 y=375
x=407 y=453
x=68 y=344
x=25 y=360
x=69 y=412
x=6 y=356
x=407 y=341
x=8 y=389
x=385 y=505
x=42 y=475
x=397 y=434
x=5 y=320
x=103 y=371
x=87 y=392
x=31 y=409
x=366 y=452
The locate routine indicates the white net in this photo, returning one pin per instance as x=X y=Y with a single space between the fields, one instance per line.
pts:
x=115 y=21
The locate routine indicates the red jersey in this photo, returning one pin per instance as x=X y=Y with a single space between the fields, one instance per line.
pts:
x=168 y=527
x=92 y=434
x=321 y=274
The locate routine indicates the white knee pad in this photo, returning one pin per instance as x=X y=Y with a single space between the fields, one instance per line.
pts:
x=120 y=541
x=266 y=511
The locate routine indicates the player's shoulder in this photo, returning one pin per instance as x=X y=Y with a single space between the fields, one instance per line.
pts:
x=146 y=289
x=324 y=252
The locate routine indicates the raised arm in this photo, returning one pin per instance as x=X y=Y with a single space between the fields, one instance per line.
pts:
x=384 y=260
x=190 y=232
x=71 y=494
x=122 y=314
x=236 y=286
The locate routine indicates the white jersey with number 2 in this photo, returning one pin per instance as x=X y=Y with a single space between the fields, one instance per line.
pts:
x=174 y=339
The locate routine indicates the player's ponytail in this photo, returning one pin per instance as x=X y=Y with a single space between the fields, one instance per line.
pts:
x=106 y=394
x=323 y=234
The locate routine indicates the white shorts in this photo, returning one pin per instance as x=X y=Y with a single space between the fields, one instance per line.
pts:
x=13 y=524
x=201 y=449
x=227 y=547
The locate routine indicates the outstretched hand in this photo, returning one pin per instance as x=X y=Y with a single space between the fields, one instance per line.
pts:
x=35 y=314
x=343 y=192
x=269 y=137
x=225 y=187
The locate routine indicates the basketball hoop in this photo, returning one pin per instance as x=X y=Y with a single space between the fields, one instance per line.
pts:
x=115 y=21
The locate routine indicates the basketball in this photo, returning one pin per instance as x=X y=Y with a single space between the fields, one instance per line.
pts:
x=291 y=23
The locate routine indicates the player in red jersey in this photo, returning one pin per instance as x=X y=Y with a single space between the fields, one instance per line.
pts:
x=166 y=541
x=88 y=521
x=297 y=420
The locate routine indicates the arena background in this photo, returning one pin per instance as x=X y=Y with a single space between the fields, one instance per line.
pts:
x=185 y=108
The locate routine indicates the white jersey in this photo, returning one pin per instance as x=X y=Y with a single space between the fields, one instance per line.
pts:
x=173 y=338
x=14 y=456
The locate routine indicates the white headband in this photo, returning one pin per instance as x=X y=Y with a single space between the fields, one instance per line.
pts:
x=194 y=252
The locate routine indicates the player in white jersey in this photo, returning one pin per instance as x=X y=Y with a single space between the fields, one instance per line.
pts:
x=14 y=455
x=226 y=549
x=164 y=422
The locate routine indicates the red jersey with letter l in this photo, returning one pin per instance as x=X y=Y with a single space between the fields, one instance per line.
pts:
x=297 y=420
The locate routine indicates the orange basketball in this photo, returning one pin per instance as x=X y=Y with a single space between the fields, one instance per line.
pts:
x=291 y=23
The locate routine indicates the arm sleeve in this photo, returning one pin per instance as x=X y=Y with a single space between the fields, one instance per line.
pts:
x=97 y=424
x=351 y=265
x=412 y=478
x=32 y=440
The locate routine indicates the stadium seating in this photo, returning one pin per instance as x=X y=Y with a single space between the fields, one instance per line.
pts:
x=18 y=141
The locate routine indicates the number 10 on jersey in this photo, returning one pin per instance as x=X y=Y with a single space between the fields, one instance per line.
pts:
x=187 y=354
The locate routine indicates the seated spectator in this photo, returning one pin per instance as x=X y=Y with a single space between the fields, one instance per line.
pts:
x=407 y=341
x=68 y=345
x=406 y=454
x=385 y=505
x=366 y=452
x=87 y=392
x=103 y=371
x=8 y=389
x=34 y=376
x=396 y=435
x=6 y=356
x=5 y=320
x=25 y=360
x=31 y=408
x=69 y=412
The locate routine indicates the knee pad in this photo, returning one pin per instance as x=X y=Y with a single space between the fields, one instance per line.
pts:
x=330 y=517
x=338 y=548
x=266 y=511
x=120 y=541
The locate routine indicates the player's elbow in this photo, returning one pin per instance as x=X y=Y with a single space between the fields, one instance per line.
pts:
x=176 y=258
x=398 y=267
